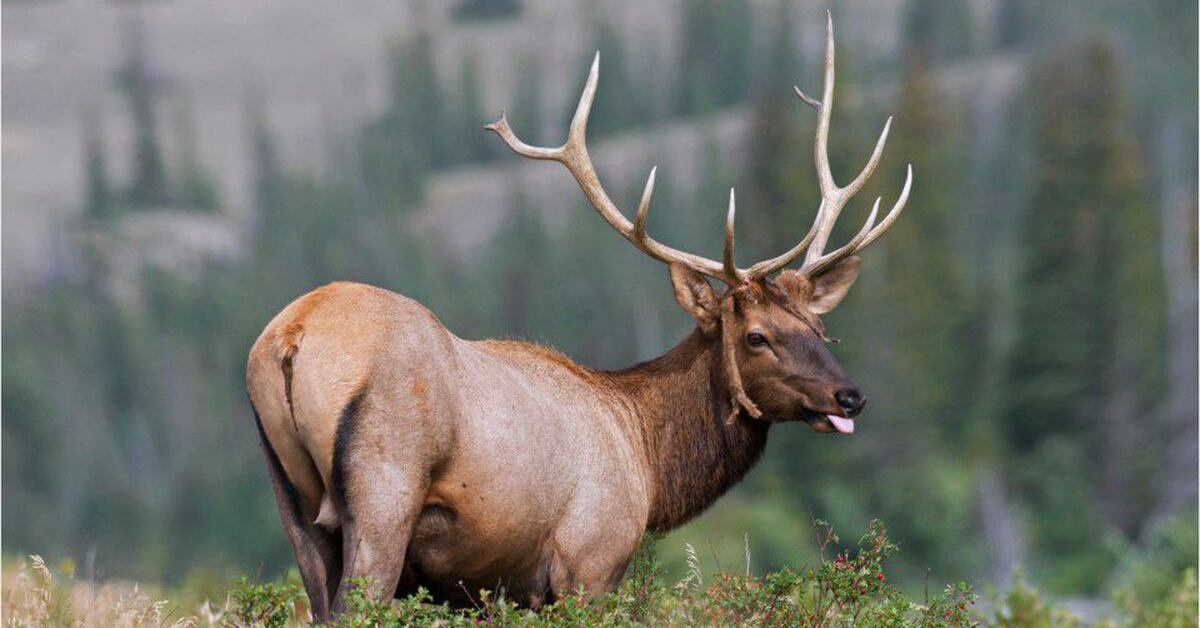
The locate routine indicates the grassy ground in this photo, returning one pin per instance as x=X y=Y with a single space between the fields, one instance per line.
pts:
x=846 y=588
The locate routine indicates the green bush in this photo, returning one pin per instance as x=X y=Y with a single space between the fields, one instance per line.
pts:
x=270 y=605
x=1156 y=584
x=850 y=589
x=846 y=586
x=1024 y=607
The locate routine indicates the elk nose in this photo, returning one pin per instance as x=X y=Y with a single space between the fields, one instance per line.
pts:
x=850 y=400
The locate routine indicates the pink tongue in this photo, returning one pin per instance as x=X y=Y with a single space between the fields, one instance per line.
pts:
x=845 y=426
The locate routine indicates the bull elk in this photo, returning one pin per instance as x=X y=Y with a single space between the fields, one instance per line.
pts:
x=405 y=455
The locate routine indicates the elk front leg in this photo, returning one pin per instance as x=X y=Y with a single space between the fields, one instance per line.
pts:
x=376 y=536
x=591 y=560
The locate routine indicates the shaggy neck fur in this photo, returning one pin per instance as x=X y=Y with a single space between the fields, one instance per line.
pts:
x=682 y=400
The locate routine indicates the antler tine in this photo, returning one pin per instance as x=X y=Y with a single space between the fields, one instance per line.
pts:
x=892 y=214
x=731 y=268
x=825 y=261
x=825 y=112
x=812 y=102
x=577 y=132
x=574 y=155
x=868 y=234
x=834 y=198
x=872 y=163
x=639 y=223
x=501 y=127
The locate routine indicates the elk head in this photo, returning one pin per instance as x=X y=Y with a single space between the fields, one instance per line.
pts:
x=775 y=360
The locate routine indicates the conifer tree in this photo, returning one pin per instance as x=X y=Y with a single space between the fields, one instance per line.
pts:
x=517 y=267
x=619 y=109
x=925 y=284
x=475 y=144
x=1013 y=23
x=98 y=202
x=418 y=102
x=264 y=157
x=408 y=138
x=716 y=55
x=940 y=28
x=141 y=85
x=780 y=192
x=1080 y=253
x=194 y=188
x=527 y=112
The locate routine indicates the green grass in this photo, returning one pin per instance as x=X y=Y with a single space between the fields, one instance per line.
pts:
x=845 y=586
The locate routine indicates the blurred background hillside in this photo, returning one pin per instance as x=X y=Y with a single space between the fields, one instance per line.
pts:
x=177 y=171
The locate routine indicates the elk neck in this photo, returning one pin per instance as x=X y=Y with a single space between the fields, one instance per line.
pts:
x=679 y=402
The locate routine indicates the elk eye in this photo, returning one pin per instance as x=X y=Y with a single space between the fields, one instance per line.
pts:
x=755 y=339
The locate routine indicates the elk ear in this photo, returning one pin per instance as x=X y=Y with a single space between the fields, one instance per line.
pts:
x=695 y=295
x=830 y=286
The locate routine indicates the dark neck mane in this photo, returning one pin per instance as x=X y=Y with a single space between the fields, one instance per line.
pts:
x=681 y=400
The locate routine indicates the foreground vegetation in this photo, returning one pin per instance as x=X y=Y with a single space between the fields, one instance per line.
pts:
x=847 y=587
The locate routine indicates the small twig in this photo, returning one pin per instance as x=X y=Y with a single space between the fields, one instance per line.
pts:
x=163 y=621
x=713 y=549
x=926 y=587
x=470 y=597
x=746 y=545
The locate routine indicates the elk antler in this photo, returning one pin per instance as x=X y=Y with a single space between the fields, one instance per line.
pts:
x=833 y=198
x=574 y=155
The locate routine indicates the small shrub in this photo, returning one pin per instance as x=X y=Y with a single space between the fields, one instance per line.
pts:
x=270 y=605
x=1024 y=607
x=1178 y=609
x=1151 y=585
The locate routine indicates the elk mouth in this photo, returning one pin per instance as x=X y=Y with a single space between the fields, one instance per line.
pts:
x=828 y=423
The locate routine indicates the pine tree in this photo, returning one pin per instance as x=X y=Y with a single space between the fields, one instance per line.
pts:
x=1077 y=295
x=716 y=55
x=517 y=268
x=427 y=116
x=778 y=62
x=1013 y=23
x=409 y=137
x=99 y=203
x=195 y=188
x=781 y=195
x=264 y=158
x=141 y=85
x=526 y=114
x=475 y=143
x=926 y=288
x=940 y=29
x=418 y=103
x=618 y=106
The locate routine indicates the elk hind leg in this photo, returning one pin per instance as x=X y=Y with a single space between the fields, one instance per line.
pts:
x=318 y=551
x=379 y=491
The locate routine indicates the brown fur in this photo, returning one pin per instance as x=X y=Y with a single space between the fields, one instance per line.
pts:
x=455 y=465
x=695 y=454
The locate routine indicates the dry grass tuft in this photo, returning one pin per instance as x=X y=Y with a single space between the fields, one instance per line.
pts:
x=33 y=598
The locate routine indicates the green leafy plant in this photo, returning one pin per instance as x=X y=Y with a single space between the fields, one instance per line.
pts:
x=269 y=605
